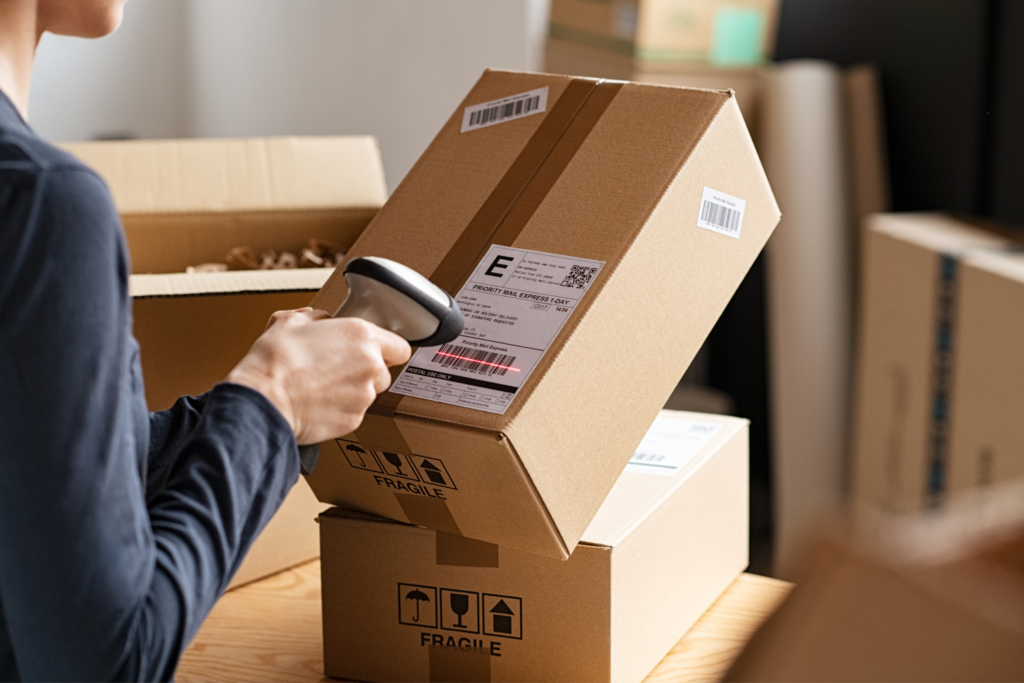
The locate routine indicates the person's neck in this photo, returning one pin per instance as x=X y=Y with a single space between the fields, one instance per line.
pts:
x=19 y=37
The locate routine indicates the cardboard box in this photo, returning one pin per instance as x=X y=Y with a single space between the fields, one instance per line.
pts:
x=580 y=59
x=658 y=554
x=919 y=352
x=573 y=233
x=185 y=202
x=986 y=440
x=938 y=597
x=734 y=33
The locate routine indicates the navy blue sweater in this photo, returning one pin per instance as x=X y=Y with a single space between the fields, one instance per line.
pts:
x=119 y=528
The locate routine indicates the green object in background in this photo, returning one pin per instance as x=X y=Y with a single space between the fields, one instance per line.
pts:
x=737 y=37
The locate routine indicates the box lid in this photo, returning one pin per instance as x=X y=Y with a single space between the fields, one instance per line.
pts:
x=237 y=175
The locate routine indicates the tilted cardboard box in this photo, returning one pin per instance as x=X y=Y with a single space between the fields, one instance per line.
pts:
x=592 y=233
x=734 y=32
x=414 y=604
x=185 y=202
x=580 y=59
x=931 y=340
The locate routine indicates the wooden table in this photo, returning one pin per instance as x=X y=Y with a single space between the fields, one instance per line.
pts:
x=271 y=630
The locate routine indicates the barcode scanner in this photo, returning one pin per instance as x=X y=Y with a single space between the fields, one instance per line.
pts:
x=400 y=300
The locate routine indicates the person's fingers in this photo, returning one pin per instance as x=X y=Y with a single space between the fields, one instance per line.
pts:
x=315 y=313
x=393 y=348
x=382 y=381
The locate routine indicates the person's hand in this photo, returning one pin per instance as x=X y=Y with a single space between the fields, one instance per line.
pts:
x=322 y=373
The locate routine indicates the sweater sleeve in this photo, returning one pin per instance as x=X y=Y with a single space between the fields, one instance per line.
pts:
x=96 y=581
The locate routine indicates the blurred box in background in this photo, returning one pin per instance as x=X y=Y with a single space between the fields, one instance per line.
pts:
x=987 y=404
x=188 y=202
x=735 y=33
x=670 y=538
x=940 y=373
x=936 y=596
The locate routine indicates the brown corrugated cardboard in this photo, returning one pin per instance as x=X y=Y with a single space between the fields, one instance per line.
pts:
x=596 y=201
x=657 y=555
x=184 y=202
x=911 y=322
x=936 y=597
x=987 y=405
x=738 y=31
x=578 y=59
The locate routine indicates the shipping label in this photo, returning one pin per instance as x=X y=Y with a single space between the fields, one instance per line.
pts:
x=670 y=444
x=515 y=304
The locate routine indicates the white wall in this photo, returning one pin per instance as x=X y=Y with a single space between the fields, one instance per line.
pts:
x=131 y=83
x=224 y=68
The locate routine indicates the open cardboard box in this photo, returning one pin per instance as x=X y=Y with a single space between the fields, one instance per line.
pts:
x=186 y=202
x=416 y=604
x=592 y=232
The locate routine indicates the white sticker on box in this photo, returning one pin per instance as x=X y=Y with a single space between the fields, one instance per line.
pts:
x=669 y=444
x=505 y=109
x=515 y=304
x=721 y=213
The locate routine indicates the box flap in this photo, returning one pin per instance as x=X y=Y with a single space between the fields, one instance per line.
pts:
x=147 y=286
x=237 y=175
x=636 y=496
x=1008 y=264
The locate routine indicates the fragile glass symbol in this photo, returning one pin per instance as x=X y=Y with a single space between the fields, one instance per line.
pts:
x=433 y=472
x=396 y=460
x=460 y=605
x=502 y=617
x=419 y=596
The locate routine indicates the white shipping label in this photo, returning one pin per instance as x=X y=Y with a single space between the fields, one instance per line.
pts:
x=669 y=444
x=505 y=109
x=515 y=303
x=721 y=213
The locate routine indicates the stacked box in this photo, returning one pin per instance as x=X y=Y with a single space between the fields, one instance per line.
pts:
x=405 y=603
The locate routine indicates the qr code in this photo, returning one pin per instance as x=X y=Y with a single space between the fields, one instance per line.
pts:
x=579 y=277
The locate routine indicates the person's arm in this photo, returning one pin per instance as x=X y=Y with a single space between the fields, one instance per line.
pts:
x=94 y=585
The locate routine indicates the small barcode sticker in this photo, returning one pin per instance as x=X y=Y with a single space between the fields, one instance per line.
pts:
x=505 y=109
x=721 y=213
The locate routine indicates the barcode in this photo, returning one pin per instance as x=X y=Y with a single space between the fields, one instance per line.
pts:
x=504 y=111
x=720 y=216
x=474 y=360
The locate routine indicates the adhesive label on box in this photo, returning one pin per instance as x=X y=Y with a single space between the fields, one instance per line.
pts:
x=669 y=444
x=515 y=304
x=506 y=109
x=721 y=213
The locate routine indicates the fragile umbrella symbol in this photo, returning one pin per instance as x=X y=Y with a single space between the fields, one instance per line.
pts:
x=419 y=596
x=358 y=451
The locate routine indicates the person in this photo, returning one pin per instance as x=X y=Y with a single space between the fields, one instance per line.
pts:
x=120 y=528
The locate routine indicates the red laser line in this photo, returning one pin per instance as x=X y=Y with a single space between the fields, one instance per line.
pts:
x=482 y=362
